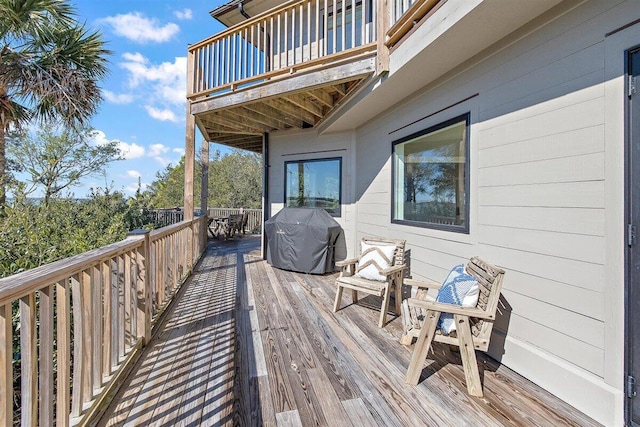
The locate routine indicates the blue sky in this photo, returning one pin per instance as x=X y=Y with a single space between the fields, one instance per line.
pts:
x=144 y=106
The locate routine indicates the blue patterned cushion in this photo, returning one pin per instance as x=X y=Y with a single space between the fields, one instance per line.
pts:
x=459 y=288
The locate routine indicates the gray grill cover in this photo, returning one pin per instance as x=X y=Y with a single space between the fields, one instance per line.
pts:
x=302 y=239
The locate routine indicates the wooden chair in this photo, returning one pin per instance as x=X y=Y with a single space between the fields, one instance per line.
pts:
x=235 y=224
x=473 y=324
x=394 y=275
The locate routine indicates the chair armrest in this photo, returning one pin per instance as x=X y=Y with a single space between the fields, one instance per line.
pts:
x=452 y=309
x=346 y=262
x=422 y=283
x=392 y=270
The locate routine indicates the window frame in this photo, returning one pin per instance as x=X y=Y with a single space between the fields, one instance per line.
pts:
x=462 y=229
x=337 y=214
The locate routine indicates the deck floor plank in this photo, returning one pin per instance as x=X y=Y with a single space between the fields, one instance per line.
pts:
x=247 y=344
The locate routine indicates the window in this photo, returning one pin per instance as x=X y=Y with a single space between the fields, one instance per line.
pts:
x=431 y=177
x=314 y=184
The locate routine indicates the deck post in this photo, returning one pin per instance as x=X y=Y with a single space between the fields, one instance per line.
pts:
x=382 y=26
x=143 y=287
x=265 y=191
x=204 y=188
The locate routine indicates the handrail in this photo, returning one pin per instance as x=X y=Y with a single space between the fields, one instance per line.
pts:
x=410 y=12
x=279 y=40
x=109 y=298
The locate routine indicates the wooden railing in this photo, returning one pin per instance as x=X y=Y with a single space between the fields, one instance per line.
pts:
x=105 y=303
x=297 y=35
x=254 y=223
x=399 y=8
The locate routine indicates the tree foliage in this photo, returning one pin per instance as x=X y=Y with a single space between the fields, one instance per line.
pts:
x=55 y=158
x=49 y=67
x=235 y=181
x=32 y=234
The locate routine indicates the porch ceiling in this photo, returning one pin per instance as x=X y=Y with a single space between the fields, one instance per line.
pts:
x=240 y=117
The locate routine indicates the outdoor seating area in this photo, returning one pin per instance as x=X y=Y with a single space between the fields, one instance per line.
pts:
x=249 y=344
x=226 y=227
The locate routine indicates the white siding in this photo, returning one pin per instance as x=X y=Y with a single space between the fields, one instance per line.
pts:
x=543 y=205
x=307 y=145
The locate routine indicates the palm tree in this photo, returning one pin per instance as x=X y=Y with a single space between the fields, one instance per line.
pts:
x=49 y=68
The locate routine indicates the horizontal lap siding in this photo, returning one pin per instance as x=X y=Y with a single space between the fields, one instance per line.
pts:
x=538 y=182
x=307 y=145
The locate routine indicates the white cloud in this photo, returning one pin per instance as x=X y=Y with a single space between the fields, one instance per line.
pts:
x=134 y=174
x=170 y=78
x=157 y=149
x=179 y=151
x=139 y=28
x=163 y=161
x=163 y=85
x=121 y=98
x=128 y=151
x=164 y=115
x=133 y=187
x=183 y=14
x=131 y=151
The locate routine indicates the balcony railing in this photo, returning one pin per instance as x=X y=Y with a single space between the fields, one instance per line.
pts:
x=104 y=303
x=300 y=34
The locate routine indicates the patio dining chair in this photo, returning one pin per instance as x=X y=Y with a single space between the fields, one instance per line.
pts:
x=425 y=317
x=379 y=270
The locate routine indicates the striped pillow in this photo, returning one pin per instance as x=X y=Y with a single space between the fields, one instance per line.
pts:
x=374 y=259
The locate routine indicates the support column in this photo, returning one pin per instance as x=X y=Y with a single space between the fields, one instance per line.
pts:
x=204 y=188
x=266 y=206
x=382 y=26
x=189 y=163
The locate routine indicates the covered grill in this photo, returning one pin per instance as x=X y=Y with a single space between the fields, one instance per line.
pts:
x=302 y=239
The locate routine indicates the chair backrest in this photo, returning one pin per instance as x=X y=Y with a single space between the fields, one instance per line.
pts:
x=235 y=220
x=399 y=255
x=490 y=285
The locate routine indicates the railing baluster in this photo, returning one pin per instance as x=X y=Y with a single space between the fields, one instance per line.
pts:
x=343 y=25
x=6 y=365
x=317 y=28
x=87 y=336
x=122 y=331
x=107 y=313
x=279 y=43
x=46 y=357
x=234 y=46
x=78 y=332
x=302 y=32
x=286 y=38
x=335 y=26
x=325 y=26
x=133 y=292
x=309 y=31
x=363 y=28
x=29 y=361
x=115 y=311
x=96 y=330
x=354 y=23
x=63 y=353
x=127 y=302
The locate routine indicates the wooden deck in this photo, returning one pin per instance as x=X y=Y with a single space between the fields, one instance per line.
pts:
x=247 y=344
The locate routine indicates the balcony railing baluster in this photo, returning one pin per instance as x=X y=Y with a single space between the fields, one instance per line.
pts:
x=280 y=41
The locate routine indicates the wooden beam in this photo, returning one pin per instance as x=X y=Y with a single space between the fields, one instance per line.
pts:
x=322 y=96
x=229 y=123
x=304 y=103
x=267 y=110
x=238 y=120
x=260 y=118
x=340 y=88
x=301 y=82
x=286 y=106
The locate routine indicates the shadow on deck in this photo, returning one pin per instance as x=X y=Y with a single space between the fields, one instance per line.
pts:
x=247 y=344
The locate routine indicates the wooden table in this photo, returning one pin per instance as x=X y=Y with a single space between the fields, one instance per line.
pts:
x=219 y=226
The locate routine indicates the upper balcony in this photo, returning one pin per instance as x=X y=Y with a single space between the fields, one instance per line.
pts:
x=291 y=66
